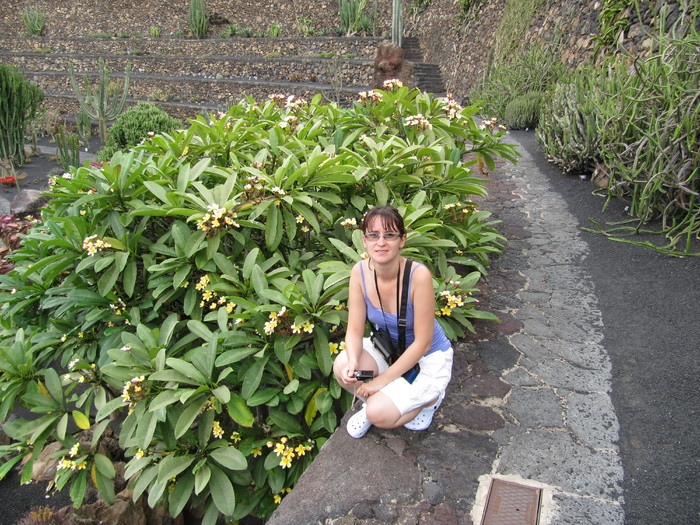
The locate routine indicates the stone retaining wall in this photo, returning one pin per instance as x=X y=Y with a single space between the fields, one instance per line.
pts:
x=345 y=72
x=349 y=47
x=219 y=92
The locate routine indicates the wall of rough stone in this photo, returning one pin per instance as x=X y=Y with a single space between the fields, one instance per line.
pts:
x=76 y=18
x=463 y=49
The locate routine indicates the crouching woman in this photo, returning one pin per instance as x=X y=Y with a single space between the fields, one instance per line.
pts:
x=390 y=400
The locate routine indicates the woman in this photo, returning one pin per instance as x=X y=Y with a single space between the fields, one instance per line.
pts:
x=390 y=400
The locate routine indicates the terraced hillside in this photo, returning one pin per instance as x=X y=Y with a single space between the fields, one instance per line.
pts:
x=185 y=76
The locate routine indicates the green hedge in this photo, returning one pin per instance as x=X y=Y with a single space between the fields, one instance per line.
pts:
x=194 y=291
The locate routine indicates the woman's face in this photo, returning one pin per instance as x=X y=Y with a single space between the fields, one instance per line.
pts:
x=382 y=242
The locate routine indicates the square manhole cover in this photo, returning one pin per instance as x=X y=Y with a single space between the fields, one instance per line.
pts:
x=512 y=504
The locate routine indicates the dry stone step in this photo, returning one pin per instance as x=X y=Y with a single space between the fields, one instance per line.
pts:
x=187 y=97
x=351 y=47
x=347 y=72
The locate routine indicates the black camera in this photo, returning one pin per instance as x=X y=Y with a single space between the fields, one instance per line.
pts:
x=364 y=375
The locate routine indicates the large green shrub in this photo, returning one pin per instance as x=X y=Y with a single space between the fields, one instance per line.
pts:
x=523 y=111
x=135 y=125
x=19 y=101
x=194 y=290
x=535 y=69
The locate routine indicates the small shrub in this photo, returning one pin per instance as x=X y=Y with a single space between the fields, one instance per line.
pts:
x=305 y=26
x=274 y=31
x=418 y=6
x=134 y=125
x=524 y=111
x=229 y=31
x=33 y=21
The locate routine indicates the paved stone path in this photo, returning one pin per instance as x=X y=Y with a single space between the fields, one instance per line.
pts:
x=561 y=427
x=529 y=400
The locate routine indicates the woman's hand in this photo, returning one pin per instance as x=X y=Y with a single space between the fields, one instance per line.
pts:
x=370 y=388
x=348 y=374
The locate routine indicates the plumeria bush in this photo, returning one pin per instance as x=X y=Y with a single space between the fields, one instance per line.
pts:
x=190 y=294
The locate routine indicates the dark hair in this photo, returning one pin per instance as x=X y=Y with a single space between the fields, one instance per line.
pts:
x=389 y=218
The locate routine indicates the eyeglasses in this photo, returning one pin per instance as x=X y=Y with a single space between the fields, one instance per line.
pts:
x=388 y=236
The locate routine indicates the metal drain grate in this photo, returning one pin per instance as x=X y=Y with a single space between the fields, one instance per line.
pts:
x=512 y=504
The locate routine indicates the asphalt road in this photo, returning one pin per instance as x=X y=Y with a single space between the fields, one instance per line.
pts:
x=650 y=306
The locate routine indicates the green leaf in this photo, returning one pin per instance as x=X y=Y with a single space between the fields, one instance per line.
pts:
x=273 y=228
x=53 y=384
x=7 y=466
x=105 y=485
x=172 y=465
x=110 y=407
x=163 y=399
x=201 y=479
x=81 y=420
x=180 y=495
x=77 y=489
x=105 y=466
x=239 y=411
x=285 y=421
x=184 y=422
x=194 y=243
x=222 y=393
x=144 y=480
x=200 y=329
x=229 y=457
x=187 y=369
x=107 y=280
x=253 y=376
x=292 y=386
x=222 y=491
x=61 y=427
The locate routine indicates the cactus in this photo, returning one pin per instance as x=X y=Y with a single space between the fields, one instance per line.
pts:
x=199 y=19
x=397 y=22
x=19 y=100
x=105 y=103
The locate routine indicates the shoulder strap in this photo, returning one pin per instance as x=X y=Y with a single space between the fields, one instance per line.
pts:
x=401 y=318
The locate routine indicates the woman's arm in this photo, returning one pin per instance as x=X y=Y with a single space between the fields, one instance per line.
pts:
x=357 y=318
x=423 y=297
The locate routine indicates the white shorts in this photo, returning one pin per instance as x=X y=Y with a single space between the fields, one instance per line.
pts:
x=431 y=382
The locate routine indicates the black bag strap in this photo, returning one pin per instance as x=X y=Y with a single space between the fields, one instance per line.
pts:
x=400 y=307
x=404 y=304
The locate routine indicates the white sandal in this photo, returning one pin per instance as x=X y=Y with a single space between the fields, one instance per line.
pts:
x=358 y=425
x=425 y=416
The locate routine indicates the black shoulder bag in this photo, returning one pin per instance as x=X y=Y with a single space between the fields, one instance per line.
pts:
x=380 y=337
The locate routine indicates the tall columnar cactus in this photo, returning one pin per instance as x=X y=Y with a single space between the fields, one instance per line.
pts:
x=19 y=100
x=104 y=103
x=397 y=22
x=199 y=19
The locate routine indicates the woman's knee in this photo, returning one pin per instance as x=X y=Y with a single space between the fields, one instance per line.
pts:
x=340 y=363
x=382 y=412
